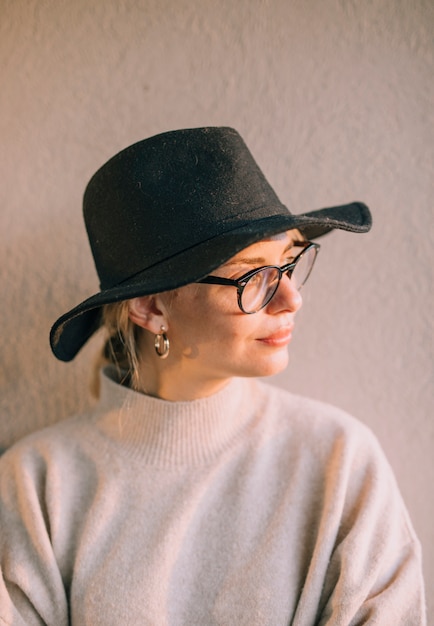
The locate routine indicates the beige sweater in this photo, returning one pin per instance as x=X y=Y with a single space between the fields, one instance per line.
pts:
x=252 y=507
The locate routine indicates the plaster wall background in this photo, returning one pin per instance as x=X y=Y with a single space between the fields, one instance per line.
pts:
x=335 y=100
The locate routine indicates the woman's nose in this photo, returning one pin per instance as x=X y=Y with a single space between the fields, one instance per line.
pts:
x=287 y=297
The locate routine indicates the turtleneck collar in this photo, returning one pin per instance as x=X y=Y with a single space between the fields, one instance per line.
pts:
x=165 y=433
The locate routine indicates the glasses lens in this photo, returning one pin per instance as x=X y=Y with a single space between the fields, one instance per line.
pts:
x=259 y=289
x=303 y=267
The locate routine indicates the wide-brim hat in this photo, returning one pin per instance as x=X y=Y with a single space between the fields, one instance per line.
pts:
x=169 y=210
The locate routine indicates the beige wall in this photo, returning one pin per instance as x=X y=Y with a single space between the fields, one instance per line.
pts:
x=334 y=97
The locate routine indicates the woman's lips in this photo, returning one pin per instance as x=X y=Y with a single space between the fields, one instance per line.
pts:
x=278 y=339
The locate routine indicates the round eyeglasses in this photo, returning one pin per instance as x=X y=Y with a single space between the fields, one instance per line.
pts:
x=257 y=287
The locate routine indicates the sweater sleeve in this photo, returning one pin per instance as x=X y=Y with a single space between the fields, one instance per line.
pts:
x=374 y=574
x=31 y=587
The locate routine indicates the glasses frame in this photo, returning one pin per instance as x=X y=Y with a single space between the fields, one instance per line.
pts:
x=288 y=269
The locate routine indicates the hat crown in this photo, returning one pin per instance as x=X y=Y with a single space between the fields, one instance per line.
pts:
x=172 y=192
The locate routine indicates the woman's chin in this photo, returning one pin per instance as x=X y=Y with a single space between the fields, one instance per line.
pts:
x=273 y=364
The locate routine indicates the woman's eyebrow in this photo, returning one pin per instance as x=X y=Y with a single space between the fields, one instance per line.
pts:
x=257 y=260
x=245 y=261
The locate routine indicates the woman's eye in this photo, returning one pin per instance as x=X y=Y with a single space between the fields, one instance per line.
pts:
x=256 y=279
x=238 y=273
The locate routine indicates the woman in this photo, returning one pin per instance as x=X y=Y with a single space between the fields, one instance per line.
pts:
x=194 y=493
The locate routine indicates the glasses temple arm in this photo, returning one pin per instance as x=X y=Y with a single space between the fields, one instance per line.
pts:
x=218 y=280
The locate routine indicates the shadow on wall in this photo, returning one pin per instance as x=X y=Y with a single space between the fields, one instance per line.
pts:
x=40 y=283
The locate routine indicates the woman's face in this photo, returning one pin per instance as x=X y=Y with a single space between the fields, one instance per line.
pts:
x=212 y=340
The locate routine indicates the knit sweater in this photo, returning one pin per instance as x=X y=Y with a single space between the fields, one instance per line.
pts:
x=250 y=507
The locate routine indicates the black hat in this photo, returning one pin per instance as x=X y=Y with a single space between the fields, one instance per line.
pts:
x=169 y=210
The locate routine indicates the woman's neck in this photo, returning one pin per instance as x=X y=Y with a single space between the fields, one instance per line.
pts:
x=169 y=382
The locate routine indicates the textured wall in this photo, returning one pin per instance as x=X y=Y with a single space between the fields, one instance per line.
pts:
x=335 y=98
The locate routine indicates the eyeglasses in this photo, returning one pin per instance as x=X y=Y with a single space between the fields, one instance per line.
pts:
x=257 y=287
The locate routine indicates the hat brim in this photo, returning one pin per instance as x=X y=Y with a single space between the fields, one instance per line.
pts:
x=72 y=330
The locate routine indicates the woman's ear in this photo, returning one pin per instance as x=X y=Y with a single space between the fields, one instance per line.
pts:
x=147 y=312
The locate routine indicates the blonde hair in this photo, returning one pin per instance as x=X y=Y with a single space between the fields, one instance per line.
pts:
x=120 y=346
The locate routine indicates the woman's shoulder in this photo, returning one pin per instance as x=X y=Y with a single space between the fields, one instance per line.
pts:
x=309 y=408
x=66 y=436
x=309 y=420
x=325 y=441
x=58 y=441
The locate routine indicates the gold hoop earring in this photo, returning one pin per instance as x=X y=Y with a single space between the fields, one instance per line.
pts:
x=162 y=344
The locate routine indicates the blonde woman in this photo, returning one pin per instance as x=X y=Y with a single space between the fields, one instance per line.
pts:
x=194 y=493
